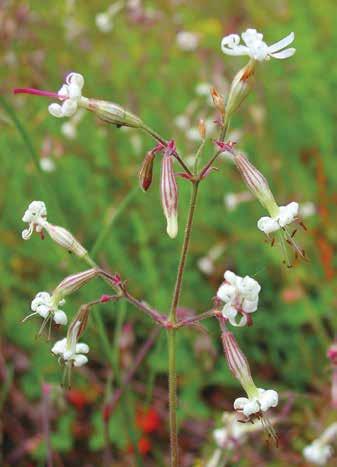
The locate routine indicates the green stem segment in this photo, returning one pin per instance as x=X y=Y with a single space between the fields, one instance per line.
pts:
x=171 y=332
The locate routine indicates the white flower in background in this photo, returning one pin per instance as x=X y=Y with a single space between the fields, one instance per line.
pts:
x=182 y=122
x=69 y=128
x=203 y=89
x=240 y=295
x=104 y=20
x=320 y=450
x=261 y=402
x=286 y=215
x=255 y=47
x=46 y=306
x=206 y=263
x=47 y=164
x=69 y=350
x=36 y=217
x=71 y=95
x=187 y=41
x=232 y=200
x=307 y=209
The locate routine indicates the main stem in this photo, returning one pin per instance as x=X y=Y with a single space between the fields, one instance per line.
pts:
x=171 y=332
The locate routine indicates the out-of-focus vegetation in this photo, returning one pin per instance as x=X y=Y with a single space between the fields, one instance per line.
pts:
x=286 y=126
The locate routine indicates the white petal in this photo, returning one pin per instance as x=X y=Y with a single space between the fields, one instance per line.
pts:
x=69 y=107
x=240 y=403
x=267 y=225
x=74 y=91
x=80 y=360
x=59 y=347
x=282 y=43
x=82 y=348
x=238 y=324
x=284 y=53
x=226 y=292
x=251 y=407
x=230 y=277
x=55 y=110
x=229 y=311
x=43 y=310
x=268 y=399
x=249 y=306
x=60 y=317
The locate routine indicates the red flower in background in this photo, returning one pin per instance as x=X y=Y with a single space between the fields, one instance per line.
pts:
x=77 y=398
x=147 y=420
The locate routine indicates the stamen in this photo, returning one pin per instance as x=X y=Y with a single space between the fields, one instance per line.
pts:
x=294 y=233
x=303 y=225
x=39 y=92
x=29 y=316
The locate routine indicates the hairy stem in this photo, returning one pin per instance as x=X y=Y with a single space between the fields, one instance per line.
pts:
x=171 y=332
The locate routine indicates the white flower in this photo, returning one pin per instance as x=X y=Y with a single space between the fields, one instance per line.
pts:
x=240 y=295
x=47 y=164
x=203 y=89
x=318 y=453
x=104 y=22
x=71 y=95
x=255 y=47
x=286 y=215
x=263 y=401
x=187 y=41
x=70 y=351
x=36 y=217
x=44 y=305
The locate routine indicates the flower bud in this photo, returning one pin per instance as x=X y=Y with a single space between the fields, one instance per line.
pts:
x=237 y=362
x=111 y=113
x=202 y=128
x=79 y=323
x=72 y=283
x=65 y=239
x=146 y=171
x=240 y=88
x=256 y=183
x=169 y=192
x=218 y=100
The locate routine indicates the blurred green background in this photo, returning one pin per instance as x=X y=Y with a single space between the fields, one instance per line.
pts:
x=286 y=127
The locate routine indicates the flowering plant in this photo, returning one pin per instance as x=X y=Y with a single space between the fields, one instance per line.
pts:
x=238 y=296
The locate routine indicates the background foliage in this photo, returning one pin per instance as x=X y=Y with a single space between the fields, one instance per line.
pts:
x=287 y=129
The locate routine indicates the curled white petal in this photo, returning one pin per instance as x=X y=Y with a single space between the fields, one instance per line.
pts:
x=268 y=225
x=60 y=317
x=240 y=402
x=282 y=43
x=55 y=110
x=59 y=347
x=80 y=360
x=82 y=348
x=287 y=53
x=268 y=399
x=226 y=292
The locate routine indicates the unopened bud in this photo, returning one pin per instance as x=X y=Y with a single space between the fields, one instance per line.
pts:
x=169 y=192
x=79 y=323
x=237 y=362
x=256 y=183
x=112 y=113
x=146 y=171
x=202 y=128
x=218 y=100
x=65 y=239
x=240 y=88
x=74 y=282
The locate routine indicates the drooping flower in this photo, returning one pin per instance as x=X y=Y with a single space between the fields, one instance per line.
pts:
x=280 y=217
x=240 y=296
x=255 y=47
x=36 y=217
x=70 y=352
x=258 y=401
x=47 y=306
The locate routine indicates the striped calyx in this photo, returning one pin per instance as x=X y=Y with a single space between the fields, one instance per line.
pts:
x=169 y=190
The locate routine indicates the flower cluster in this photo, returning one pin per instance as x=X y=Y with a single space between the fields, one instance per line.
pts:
x=240 y=296
x=255 y=47
x=70 y=94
